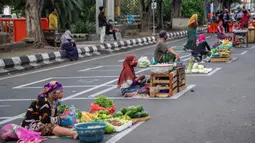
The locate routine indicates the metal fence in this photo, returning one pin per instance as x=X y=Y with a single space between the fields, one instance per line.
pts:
x=128 y=8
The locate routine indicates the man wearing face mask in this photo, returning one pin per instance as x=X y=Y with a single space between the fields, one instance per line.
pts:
x=110 y=29
x=163 y=53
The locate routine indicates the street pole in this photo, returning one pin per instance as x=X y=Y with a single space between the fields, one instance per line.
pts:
x=153 y=16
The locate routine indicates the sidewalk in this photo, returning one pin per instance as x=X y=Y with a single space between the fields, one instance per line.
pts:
x=20 y=51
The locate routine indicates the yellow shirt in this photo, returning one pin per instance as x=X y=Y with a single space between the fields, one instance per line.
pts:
x=53 y=21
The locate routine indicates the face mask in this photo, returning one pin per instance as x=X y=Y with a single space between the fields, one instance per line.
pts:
x=134 y=64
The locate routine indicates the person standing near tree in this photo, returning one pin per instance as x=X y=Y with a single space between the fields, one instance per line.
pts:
x=53 y=20
x=102 y=24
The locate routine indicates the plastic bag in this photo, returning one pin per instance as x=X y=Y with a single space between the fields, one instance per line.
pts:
x=95 y=107
x=23 y=135
x=143 y=62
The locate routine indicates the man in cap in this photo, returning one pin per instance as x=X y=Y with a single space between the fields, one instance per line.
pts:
x=163 y=53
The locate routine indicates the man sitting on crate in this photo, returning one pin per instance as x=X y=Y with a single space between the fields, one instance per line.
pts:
x=163 y=53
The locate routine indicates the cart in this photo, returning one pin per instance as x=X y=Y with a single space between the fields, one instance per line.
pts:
x=241 y=38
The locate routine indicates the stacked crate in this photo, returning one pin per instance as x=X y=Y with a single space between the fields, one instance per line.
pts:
x=174 y=82
x=161 y=82
x=181 y=82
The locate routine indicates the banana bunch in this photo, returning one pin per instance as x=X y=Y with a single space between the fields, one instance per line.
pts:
x=87 y=117
x=226 y=42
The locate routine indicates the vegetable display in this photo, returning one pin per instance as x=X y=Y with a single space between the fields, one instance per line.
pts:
x=132 y=112
x=103 y=101
x=196 y=68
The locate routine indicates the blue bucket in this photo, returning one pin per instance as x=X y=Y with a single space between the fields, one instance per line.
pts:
x=91 y=135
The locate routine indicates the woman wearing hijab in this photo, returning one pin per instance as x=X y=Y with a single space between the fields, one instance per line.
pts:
x=68 y=44
x=203 y=46
x=128 y=82
x=221 y=34
x=42 y=115
x=192 y=33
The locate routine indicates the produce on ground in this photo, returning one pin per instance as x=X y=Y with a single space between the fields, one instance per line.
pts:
x=103 y=101
x=196 y=68
x=133 y=112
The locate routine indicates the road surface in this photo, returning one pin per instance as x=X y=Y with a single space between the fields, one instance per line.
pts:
x=220 y=110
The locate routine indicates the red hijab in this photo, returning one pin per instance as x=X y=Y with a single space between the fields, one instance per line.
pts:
x=128 y=71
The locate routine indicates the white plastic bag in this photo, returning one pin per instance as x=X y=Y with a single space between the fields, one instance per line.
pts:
x=143 y=62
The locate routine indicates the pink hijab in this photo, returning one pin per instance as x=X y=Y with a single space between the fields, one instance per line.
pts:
x=201 y=38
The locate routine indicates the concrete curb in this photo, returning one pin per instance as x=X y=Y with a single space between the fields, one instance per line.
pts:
x=35 y=61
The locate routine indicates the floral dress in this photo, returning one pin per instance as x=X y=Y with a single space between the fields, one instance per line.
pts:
x=41 y=116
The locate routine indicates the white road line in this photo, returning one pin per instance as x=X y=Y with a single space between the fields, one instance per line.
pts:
x=208 y=37
x=78 y=77
x=123 y=133
x=252 y=47
x=84 y=61
x=105 y=70
x=12 y=119
x=213 y=72
x=14 y=100
x=2 y=106
x=121 y=60
x=243 y=53
x=71 y=86
x=90 y=69
x=177 y=95
x=232 y=60
x=31 y=83
x=103 y=91
x=3 y=118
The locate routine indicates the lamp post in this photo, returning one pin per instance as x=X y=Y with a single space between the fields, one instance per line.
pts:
x=153 y=7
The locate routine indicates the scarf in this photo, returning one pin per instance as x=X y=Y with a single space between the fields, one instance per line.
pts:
x=128 y=71
x=201 y=38
x=192 y=19
x=52 y=86
x=66 y=37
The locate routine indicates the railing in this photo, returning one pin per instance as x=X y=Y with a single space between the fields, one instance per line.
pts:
x=16 y=27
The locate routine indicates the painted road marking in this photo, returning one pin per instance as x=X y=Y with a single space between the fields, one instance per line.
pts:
x=85 y=61
x=4 y=118
x=79 y=77
x=209 y=74
x=123 y=133
x=90 y=69
x=234 y=59
x=252 y=47
x=93 y=96
x=243 y=53
x=2 y=106
x=105 y=70
x=31 y=83
x=72 y=86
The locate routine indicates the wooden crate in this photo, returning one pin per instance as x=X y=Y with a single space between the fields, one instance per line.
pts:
x=251 y=35
x=174 y=81
x=163 y=82
x=216 y=60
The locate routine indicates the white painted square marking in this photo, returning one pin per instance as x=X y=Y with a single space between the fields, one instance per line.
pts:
x=90 y=69
x=31 y=83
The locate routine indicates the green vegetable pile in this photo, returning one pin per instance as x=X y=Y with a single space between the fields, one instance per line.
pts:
x=132 y=112
x=103 y=101
x=62 y=108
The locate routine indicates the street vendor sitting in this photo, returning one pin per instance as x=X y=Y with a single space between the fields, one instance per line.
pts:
x=163 y=53
x=221 y=33
x=203 y=46
x=128 y=82
x=237 y=26
x=42 y=115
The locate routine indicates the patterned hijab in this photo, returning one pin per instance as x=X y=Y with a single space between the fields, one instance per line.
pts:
x=52 y=86
x=193 y=19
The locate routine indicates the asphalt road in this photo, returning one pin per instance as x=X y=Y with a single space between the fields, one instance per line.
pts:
x=220 y=110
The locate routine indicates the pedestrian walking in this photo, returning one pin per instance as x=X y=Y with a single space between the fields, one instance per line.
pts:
x=192 y=33
x=53 y=20
x=102 y=24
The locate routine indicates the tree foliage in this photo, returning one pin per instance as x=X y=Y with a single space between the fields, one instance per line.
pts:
x=190 y=7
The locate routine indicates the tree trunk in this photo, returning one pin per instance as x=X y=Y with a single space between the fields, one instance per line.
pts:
x=205 y=15
x=145 y=14
x=159 y=14
x=33 y=23
x=40 y=7
x=176 y=8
